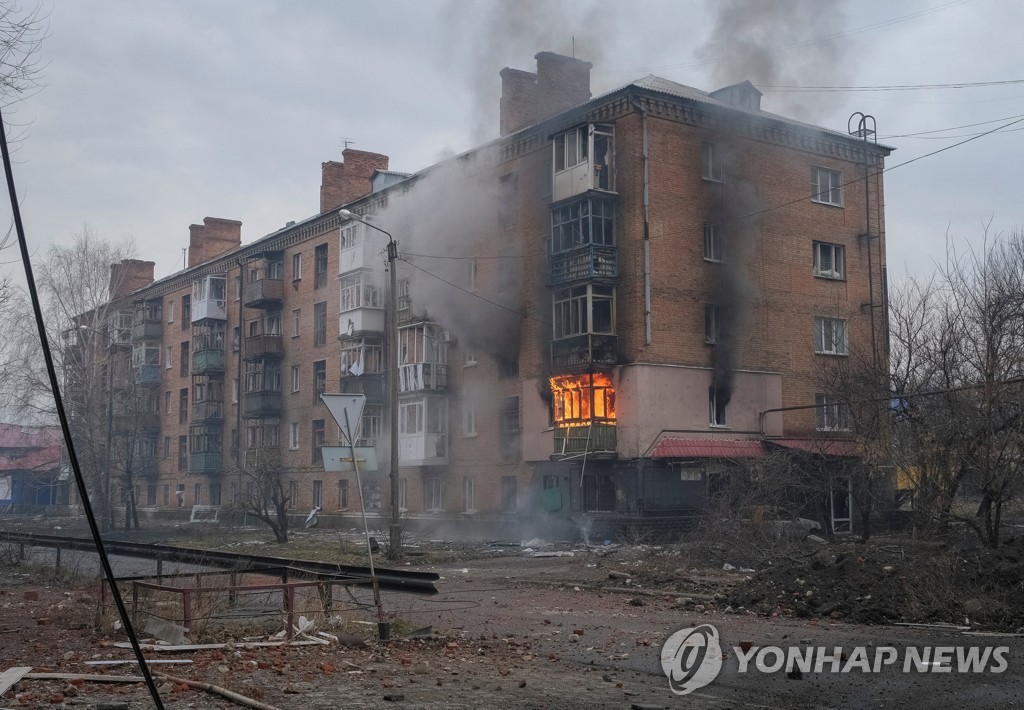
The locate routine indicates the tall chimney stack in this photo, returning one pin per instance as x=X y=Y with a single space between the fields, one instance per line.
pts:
x=560 y=83
x=129 y=275
x=214 y=237
x=344 y=182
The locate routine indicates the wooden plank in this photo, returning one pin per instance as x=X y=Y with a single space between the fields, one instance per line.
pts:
x=11 y=676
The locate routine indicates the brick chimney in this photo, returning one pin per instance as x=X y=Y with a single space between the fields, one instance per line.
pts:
x=560 y=83
x=214 y=237
x=128 y=276
x=347 y=181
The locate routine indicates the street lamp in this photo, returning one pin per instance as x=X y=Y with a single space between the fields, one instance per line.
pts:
x=394 y=539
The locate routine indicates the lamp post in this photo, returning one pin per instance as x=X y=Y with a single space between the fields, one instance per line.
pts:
x=395 y=532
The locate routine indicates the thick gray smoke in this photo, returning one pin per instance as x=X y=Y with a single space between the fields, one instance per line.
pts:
x=793 y=43
x=487 y=35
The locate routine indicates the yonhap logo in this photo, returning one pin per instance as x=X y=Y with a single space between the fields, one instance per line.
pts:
x=691 y=658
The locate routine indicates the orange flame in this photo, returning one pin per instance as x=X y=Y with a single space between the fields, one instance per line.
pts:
x=580 y=399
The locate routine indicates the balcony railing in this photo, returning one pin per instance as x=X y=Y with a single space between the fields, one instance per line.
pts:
x=145 y=465
x=147 y=374
x=261 y=346
x=205 y=362
x=205 y=462
x=262 y=404
x=422 y=376
x=207 y=411
x=263 y=293
x=581 y=351
x=371 y=385
x=148 y=330
x=127 y=421
x=596 y=438
x=587 y=262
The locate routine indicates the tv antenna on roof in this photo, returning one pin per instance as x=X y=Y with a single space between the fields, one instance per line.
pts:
x=346 y=142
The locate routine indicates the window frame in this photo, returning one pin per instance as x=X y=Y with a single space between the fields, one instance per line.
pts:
x=830 y=413
x=320 y=265
x=718 y=410
x=714 y=244
x=838 y=260
x=836 y=346
x=832 y=195
x=711 y=162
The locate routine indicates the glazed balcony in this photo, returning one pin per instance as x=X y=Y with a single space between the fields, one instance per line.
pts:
x=205 y=462
x=148 y=330
x=147 y=375
x=263 y=403
x=263 y=293
x=422 y=376
x=209 y=361
x=207 y=412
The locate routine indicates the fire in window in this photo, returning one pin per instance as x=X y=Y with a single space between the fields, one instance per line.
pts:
x=582 y=399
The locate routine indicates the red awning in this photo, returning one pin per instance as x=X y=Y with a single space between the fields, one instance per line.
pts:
x=676 y=448
x=823 y=447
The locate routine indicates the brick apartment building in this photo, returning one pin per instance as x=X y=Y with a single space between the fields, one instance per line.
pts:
x=614 y=301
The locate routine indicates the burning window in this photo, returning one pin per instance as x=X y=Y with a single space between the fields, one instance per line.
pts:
x=583 y=399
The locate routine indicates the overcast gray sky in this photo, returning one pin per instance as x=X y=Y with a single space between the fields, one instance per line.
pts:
x=154 y=115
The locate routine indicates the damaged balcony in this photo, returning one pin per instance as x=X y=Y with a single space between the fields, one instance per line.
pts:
x=423 y=376
x=586 y=262
x=582 y=351
x=583 y=409
x=263 y=293
x=371 y=385
x=594 y=438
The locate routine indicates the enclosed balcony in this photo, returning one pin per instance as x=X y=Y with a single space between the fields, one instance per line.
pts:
x=584 y=413
x=263 y=293
x=146 y=466
x=209 y=361
x=371 y=385
x=583 y=159
x=423 y=431
x=262 y=403
x=582 y=351
x=206 y=445
x=586 y=262
x=585 y=439
x=119 y=328
x=207 y=411
x=208 y=348
x=209 y=298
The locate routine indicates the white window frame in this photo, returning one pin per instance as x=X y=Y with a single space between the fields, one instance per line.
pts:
x=357 y=292
x=351 y=236
x=832 y=255
x=169 y=358
x=468 y=494
x=573 y=310
x=295 y=378
x=571 y=148
x=433 y=495
x=826 y=186
x=714 y=243
x=293 y=436
x=711 y=162
x=296 y=322
x=831 y=414
x=297 y=266
x=830 y=336
x=712 y=324
x=468 y=358
x=170 y=311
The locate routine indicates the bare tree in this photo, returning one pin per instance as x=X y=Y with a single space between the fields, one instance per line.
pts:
x=264 y=494
x=21 y=35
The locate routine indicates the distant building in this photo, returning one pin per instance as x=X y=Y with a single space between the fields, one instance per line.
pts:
x=617 y=299
x=32 y=474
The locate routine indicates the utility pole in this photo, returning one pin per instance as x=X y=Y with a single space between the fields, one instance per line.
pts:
x=395 y=530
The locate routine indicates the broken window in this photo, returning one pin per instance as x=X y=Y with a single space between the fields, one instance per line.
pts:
x=581 y=399
x=829 y=260
x=718 y=402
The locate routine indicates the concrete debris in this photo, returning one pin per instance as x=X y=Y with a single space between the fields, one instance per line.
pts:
x=166 y=631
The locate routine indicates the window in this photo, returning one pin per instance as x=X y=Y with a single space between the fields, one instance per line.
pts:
x=168 y=357
x=829 y=260
x=714 y=243
x=167 y=447
x=293 y=494
x=343 y=494
x=584 y=309
x=275 y=270
x=319 y=379
x=320 y=323
x=183 y=405
x=272 y=324
x=350 y=236
x=471 y=275
x=318 y=494
x=184 y=359
x=320 y=266
x=401 y=495
x=571 y=148
x=711 y=162
x=262 y=376
x=296 y=267
x=214 y=494
x=404 y=299
x=357 y=292
x=370 y=426
x=182 y=460
x=831 y=414
x=360 y=356
x=318 y=439
x=433 y=495
x=170 y=311
x=826 y=186
x=509 y=493
x=711 y=324
x=167 y=401
x=829 y=336
x=180 y=493
x=197 y=494
x=582 y=223
x=469 y=420
x=718 y=402
x=238 y=287
x=509 y=433
x=293 y=436
x=166 y=495
x=236 y=338
x=186 y=312
x=295 y=378
x=468 y=357
x=296 y=322
x=234 y=391
x=469 y=494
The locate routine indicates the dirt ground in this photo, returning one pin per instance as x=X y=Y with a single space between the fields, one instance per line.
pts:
x=572 y=628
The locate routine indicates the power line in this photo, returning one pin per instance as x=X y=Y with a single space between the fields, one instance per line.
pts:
x=952 y=128
x=792 y=88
